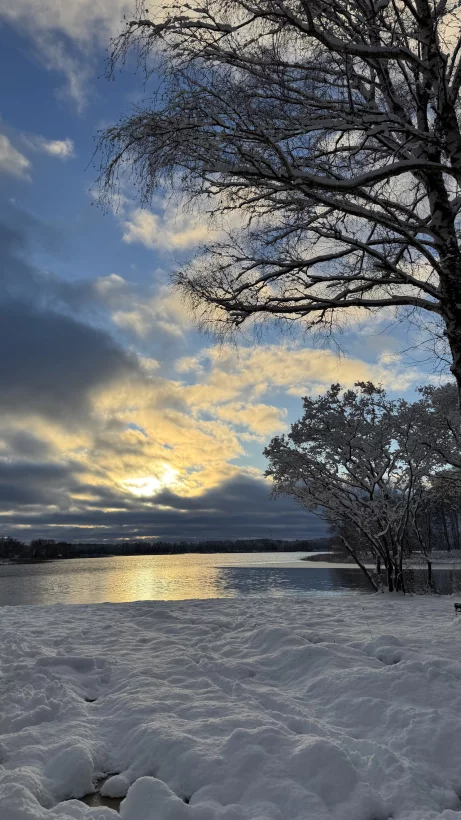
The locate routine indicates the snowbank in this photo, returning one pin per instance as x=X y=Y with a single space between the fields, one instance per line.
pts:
x=328 y=708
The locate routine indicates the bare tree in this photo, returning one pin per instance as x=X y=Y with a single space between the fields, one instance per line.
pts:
x=331 y=127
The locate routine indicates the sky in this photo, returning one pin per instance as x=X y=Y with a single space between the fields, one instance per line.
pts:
x=119 y=420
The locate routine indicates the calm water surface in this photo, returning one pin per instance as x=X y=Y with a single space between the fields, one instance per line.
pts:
x=181 y=577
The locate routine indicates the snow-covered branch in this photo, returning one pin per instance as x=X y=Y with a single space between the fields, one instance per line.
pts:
x=313 y=121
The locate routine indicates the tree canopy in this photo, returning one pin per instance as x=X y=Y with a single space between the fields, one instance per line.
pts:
x=360 y=458
x=330 y=129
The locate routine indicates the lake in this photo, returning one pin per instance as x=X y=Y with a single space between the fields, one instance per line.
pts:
x=181 y=577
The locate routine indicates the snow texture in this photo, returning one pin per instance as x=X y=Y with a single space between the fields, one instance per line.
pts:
x=335 y=707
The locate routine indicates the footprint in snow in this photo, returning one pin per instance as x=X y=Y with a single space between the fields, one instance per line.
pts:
x=87 y=675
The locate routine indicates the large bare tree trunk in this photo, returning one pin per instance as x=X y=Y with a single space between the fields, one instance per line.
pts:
x=452 y=317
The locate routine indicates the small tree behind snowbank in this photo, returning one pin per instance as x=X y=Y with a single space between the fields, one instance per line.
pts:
x=366 y=462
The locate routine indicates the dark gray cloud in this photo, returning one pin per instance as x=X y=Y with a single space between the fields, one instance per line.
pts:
x=25 y=484
x=240 y=508
x=51 y=362
x=23 y=444
x=24 y=237
x=21 y=236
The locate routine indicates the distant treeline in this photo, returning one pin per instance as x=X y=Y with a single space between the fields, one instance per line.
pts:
x=42 y=549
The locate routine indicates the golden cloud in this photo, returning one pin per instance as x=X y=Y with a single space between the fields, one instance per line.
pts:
x=155 y=231
x=163 y=313
x=147 y=432
x=227 y=372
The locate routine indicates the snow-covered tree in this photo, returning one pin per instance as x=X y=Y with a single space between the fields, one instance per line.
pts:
x=331 y=128
x=440 y=422
x=440 y=430
x=358 y=457
x=438 y=522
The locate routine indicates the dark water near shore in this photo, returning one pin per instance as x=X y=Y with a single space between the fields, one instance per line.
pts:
x=181 y=577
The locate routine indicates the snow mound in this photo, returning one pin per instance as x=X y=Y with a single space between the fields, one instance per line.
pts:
x=19 y=804
x=328 y=708
x=147 y=793
x=115 y=786
x=70 y=772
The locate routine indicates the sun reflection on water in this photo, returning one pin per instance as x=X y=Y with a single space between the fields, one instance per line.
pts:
x=163 y=580
x=115 y=579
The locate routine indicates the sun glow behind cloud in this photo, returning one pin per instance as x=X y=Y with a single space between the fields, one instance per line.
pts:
x=149 y=486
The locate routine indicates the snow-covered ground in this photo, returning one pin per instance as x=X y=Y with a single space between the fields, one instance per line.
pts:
x=324 y=708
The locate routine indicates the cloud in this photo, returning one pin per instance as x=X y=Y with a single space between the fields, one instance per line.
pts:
x=60 y=149
x=172 y=224
x=54 y=362
x=67 y=34
x=76 y=66
x=249 y=373
x=81 y=20
x=168 y=232
x=43 y=485
x=11 y=160
x=151 y=315
x=164 y=313
x=22 y=444
x=240 y=507
x=261 y=419
x=22 y=234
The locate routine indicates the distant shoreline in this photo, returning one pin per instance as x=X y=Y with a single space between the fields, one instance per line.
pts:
x=45 y=552
x=440 y=559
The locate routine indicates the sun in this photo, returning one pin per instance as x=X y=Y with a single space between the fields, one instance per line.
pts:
x=149 y=485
